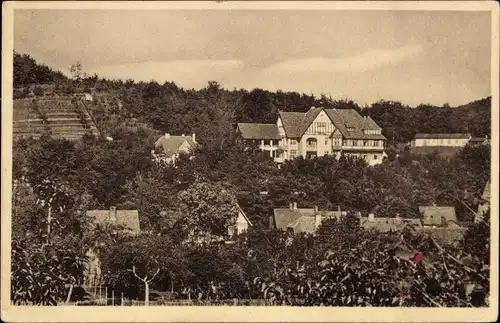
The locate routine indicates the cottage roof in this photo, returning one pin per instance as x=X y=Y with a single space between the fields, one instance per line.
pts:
x=171 y=145
x=442 y=136
x=129 y=219
x=384 y=224
x=349 y=122
x=438 y=215
x=300 y=219
x=258 y=131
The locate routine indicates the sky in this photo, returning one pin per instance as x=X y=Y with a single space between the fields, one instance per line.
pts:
x=414 y=57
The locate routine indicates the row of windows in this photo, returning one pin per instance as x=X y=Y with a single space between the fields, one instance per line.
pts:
x=338 y=142
x=441 y=141
x=293 y=154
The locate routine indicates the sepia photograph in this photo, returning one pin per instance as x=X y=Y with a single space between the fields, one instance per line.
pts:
x=216 y=157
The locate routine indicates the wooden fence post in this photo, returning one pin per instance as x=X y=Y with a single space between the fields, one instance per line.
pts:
x=106 y=295
x=122 y=300
x=112 y=297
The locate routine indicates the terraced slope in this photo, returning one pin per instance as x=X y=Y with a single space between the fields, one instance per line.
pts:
x=61 y=117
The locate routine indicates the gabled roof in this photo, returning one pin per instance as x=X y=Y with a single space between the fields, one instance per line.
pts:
x=438 y=215
x=383 y=224
x=343 y=119
x=442 y=136
x=300 y=219
x=292 y=123
x=258 y=131
x=171 y=145
x=129 y=219
x=295 y=124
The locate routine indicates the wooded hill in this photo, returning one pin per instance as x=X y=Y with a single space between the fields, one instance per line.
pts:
x=212 y=111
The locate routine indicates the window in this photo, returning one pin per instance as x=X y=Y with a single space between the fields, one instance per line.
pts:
x=293 y=142
x=321 y=127
x=375 y=157
x=326 y=141
x=354 y=142
x=311 y=143
x=293 y=154
x=337 y=142
x=365 y=156
x=365 y=143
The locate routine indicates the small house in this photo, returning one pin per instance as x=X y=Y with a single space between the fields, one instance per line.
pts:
x=440 y=139
x=387 y=224
x=300 y=220
x=168 y=148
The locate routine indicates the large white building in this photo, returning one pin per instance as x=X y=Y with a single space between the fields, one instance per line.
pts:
x=440 y=140
x=318 y=132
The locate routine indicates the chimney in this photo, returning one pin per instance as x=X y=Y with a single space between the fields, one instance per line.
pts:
x=167 y=136
x=295 y=205
x=371 y=217
x=112 y=213
x=194 y=137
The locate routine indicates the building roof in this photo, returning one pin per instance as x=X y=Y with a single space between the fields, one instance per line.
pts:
x=349 y=122
x=438 y=215
x=258 y=131
x=171 y=145
x=384 y=224
x=300 y=219
x=129 y=219
x=292 y=123
x=442 y=136
x=478 y=140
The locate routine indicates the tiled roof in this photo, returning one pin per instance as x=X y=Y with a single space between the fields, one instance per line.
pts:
x=435 y=215
x=292 y=123
x=284 y=217
x=300 y=219
x=129 y=219
x=442 y=136
x=172 y=144
x=296 y=123
x=258 y=131
x=348 y=118
x=383 y=224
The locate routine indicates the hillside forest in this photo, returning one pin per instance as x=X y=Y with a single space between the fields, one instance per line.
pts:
x=333 y=268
